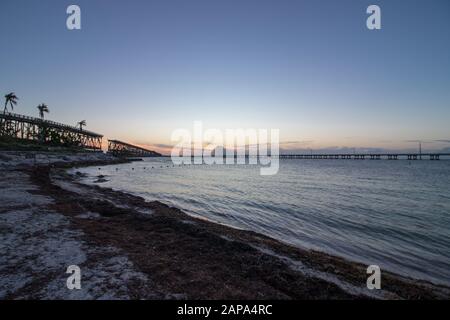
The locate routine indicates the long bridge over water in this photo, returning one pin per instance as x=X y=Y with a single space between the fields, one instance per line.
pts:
x=371 y=156
x=359 y=156
x=23 y=127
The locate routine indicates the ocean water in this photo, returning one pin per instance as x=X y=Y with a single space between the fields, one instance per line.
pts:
x=395 y=214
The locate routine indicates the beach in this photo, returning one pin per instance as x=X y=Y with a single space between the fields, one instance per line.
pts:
x=130 y=248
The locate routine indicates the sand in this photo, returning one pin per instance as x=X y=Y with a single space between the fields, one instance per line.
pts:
x=129 y=248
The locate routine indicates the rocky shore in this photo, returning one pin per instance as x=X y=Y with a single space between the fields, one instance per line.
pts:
x=128 y=248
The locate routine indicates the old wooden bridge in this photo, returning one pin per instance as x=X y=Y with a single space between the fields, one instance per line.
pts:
x=123 y=149
x=363 y=156
x=19 y=126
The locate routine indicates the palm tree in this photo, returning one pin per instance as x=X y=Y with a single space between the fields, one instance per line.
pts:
x=82 y=124
x=10 y=98
x=42 y=109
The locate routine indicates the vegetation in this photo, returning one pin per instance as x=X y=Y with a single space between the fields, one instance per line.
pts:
x=15 y=144
x=82 y=124
x=10 y=99
x=43 y=108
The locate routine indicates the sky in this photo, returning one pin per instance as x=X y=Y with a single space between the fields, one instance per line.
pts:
x=138 y=70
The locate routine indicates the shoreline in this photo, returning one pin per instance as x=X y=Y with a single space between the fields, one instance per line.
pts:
x=173 y=255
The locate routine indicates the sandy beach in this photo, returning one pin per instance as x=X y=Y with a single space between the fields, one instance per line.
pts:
x=129 y=248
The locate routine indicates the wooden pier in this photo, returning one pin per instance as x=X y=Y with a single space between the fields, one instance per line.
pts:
x=23 y=127
x=370 y=156
x=123 y=149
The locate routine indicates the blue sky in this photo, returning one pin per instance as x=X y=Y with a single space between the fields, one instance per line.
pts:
x=137 y=70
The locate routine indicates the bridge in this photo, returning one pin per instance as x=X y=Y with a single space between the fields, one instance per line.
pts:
x=23 y=127
x=123 y=149
x=371 y=156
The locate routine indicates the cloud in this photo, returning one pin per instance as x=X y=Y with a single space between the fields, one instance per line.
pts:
x=162 y=145
x=296 y=143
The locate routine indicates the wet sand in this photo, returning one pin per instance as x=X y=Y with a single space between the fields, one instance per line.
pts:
x=135 y=249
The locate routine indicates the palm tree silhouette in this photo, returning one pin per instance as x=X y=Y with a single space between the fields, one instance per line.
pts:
x=42 y=109
x=81 y=124
x=10 y=98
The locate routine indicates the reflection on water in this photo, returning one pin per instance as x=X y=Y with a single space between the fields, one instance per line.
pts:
x=395 y=214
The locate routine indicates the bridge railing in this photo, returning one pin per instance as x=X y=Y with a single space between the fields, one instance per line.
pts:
x=371 y=156
x=21 y=117
x=117 y=147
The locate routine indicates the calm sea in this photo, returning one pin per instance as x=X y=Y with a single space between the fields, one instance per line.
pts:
x=395 y=214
